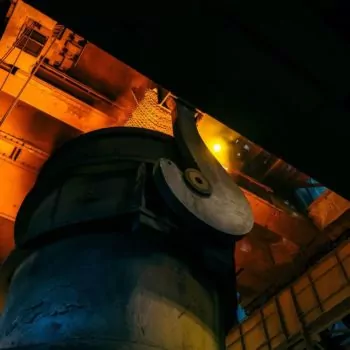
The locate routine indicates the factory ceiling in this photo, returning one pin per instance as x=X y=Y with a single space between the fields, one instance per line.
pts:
x=276 y=72
x=77 y=87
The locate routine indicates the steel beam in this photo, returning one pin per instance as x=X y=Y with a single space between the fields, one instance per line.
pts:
x=56 y=103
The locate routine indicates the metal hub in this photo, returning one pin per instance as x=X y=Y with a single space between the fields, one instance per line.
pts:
x=197 y=181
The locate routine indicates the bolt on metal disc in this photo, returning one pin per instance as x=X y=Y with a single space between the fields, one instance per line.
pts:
x=196 y=181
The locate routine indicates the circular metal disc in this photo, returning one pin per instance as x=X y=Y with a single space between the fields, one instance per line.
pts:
x=226 y=211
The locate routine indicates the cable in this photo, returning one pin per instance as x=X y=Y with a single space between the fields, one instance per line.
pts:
x=18 y=55
x=17 y=41
x=7 y=54
x=15 y=101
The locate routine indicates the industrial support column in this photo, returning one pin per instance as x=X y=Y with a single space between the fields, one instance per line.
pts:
x=104 y=260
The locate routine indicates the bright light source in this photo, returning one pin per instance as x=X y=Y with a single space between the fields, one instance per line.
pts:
x=217 y=147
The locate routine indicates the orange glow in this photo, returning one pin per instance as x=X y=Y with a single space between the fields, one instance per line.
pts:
x=217 y=147
x=219 y=140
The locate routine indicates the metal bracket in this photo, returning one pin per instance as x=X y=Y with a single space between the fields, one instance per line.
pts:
x=203 y=194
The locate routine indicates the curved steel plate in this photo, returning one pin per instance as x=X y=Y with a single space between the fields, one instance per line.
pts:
x=224 y=211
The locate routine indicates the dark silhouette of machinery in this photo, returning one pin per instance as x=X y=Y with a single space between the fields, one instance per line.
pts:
x=126 y=242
